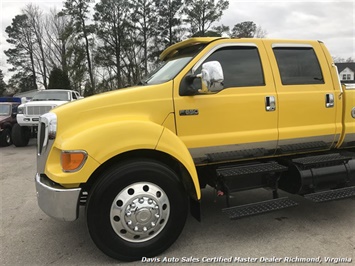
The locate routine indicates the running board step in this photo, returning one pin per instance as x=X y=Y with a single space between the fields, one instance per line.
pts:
x=314 y=161
x=251 y=169
x=330 y=195
x=241 y=211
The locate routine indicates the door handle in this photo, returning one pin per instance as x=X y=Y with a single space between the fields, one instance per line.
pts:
x=270 y=103
x=329 y=100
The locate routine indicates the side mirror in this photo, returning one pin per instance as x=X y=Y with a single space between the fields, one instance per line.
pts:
x=212 y=77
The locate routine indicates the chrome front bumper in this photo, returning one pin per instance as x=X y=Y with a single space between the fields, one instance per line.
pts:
x=56 y=201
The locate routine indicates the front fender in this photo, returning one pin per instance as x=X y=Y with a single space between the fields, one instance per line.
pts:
x=171 y=144
x=101 y=142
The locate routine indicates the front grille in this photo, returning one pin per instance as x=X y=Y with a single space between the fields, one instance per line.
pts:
x=38 y=110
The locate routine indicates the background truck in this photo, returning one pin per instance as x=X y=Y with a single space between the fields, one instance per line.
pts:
x=8 y=111
x=29 y=113
x=233 y=114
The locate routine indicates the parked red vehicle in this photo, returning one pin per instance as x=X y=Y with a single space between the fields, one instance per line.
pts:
x=8 y=112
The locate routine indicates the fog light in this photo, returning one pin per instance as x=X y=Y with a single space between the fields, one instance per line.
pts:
x=73 y=161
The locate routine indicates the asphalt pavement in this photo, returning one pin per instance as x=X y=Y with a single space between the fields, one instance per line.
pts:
x=308 y=234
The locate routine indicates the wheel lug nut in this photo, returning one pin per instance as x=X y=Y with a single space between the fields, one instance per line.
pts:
x=141 y=200
x=133 y=205
x=157 y=215
x=129 y=222
x=150 y=201
x=156 y=207
x=153 y=224
x=136 y=228
x=145 y=229
x=128 y=213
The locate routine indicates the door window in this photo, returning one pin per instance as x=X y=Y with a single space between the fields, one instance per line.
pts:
x=298 y=65
x=241 y=66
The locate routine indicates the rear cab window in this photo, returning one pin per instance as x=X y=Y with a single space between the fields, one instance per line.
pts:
x=298 y=65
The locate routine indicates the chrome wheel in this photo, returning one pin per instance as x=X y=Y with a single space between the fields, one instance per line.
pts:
x=139 y=212
x=136 y=209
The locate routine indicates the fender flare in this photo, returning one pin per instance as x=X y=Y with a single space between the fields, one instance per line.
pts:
x=170 y=144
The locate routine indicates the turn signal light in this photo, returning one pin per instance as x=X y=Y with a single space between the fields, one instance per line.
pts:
x=73 y=160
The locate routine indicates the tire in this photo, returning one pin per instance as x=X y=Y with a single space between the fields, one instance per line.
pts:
x=20 y=135
x=5 y=138
x=137 y=209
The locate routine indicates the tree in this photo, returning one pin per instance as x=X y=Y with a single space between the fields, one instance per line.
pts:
x=2 y=84
x=78 y=10
x=338 y=59
x=58 y=80
x=21 y=57
x=65 y=51
x=169 y=26
x=111 y=18
x=248 y=29
x=36 y=24
x=201 y=14
x=260 y=32
x=222 y=29
x=144 y=19
x=244 y=29
x=22 y=82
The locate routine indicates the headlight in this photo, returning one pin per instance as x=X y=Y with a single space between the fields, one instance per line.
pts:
x=20 y=110
x=51 y=123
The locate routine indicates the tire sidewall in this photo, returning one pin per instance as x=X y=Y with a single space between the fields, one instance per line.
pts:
x=5 y=136
x=103 y=194
x=20 y=135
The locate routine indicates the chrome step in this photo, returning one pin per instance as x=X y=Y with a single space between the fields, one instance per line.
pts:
x=330 y=195
x=241 y=211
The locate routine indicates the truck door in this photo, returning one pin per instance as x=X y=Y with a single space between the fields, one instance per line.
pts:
x=236 y=121
x=306 y=96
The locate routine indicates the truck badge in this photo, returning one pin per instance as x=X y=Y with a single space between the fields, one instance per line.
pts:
x=188 y=112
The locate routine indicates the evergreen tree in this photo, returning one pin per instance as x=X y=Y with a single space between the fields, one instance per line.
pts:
x=58 y=80
x=2 y=84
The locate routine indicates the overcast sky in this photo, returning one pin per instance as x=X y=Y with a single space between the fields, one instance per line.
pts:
x=332 y=21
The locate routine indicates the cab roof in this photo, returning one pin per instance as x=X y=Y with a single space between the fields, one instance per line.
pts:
x=186 y=43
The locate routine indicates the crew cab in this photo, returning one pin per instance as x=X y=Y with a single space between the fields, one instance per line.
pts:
x=29 y=112
x=233 y=114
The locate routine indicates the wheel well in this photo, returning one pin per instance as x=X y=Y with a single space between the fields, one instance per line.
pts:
x=6 y=126
x=161 y=157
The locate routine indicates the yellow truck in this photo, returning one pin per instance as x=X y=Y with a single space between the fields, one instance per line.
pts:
x=233 y=114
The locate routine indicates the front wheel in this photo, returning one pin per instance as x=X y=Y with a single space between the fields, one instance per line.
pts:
x=20 y=135
x=137 y=209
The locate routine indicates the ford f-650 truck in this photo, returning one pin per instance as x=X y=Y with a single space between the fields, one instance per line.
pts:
x=233 y=114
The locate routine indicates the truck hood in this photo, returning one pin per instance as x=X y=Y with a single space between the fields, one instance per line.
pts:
x=150 y=103
x=3 y=118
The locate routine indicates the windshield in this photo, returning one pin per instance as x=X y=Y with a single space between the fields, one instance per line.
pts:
x=51 y=96
x=5 y=109
x=170 y=68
